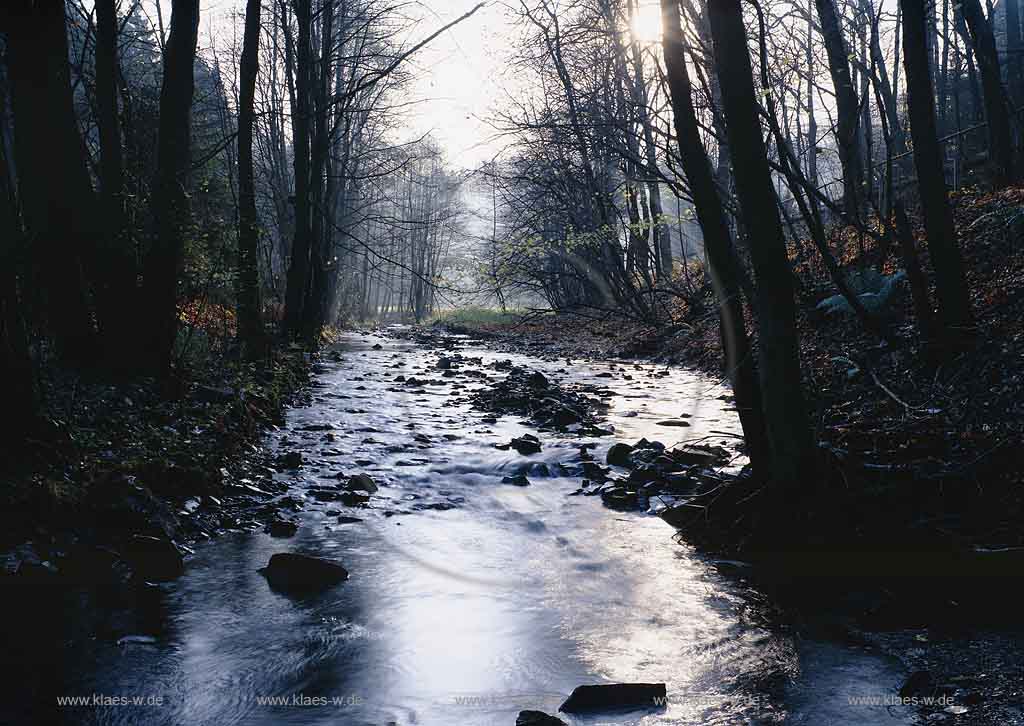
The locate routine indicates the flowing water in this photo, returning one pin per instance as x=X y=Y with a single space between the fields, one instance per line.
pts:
x=469 y=600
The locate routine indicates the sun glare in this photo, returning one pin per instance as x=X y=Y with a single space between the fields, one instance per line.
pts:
x=646 y=26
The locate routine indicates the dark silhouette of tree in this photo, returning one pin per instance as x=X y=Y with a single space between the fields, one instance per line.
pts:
x=847 y=105
x=54 y=188
x=1014 y=57
x=1000 y=143
x=250 y=323
x=786 y=421
x=170 y=197
x=950 y=285
x=298 y=269
x=115 y=279
x=725 y=272
x=20 y=400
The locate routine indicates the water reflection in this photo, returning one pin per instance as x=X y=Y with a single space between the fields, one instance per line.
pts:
x=469 y=600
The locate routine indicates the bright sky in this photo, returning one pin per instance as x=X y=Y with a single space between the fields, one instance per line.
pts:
x=460 y=79
x=464 y=74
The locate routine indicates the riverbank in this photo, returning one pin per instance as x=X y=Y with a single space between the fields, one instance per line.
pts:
x=120 y=476
x=923 y=450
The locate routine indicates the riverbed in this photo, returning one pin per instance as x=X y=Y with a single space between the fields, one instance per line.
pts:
x=469 y=599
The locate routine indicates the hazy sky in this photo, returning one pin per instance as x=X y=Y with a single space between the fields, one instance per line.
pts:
x=461 y=77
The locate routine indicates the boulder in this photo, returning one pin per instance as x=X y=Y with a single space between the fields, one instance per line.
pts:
x=294 y=572
x=153 y=559
x=619 y=498
x=537 y=718
x=618 y=454
x=614 y=696
x=537 y=381
x=643 y=474
x=121 y=505
x=695 y=455
x=595 y=471
x=281 y=528
x=526 y=444
x=519 y=480
x=362 y=481
x=290 y=460
x=325 y=495
x=353 y=498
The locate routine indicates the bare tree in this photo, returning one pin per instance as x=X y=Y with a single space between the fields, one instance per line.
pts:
x=950 y=284
x=787 y=425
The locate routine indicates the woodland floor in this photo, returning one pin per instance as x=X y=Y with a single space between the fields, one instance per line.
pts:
x=176 y=459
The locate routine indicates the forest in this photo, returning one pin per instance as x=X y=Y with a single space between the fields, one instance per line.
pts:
x=799 y=222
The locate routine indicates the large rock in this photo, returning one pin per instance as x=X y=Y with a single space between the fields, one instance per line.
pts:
x=618 y=454
x=353 y=498
x=526 y=444
x=281 y=528
x=614 y=696
x=122 y=506
x=697 y=455
x=537 y=381
x=293 y=572
x=537 y=718
x=620 y=498
x=290 y=460
x=362 y=481
x=154 y=559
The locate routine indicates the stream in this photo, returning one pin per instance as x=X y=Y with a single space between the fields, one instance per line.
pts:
x=469 y=600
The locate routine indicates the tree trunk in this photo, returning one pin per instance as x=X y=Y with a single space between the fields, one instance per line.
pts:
x=21 y=405
x=320 y=229
x=1014 y=59
x=1000 y=145
x=170 y=199
x=298 y=270
x=662 y=240
x=115 y=283
x=250 y=322
x=786 y=421
x=847 y=106
x=950 y=284
x=54 y=188
x=812 y=122
x=916 y=278
x=724 y=268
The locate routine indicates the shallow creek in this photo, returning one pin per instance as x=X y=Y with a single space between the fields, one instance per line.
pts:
x=469 y=600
